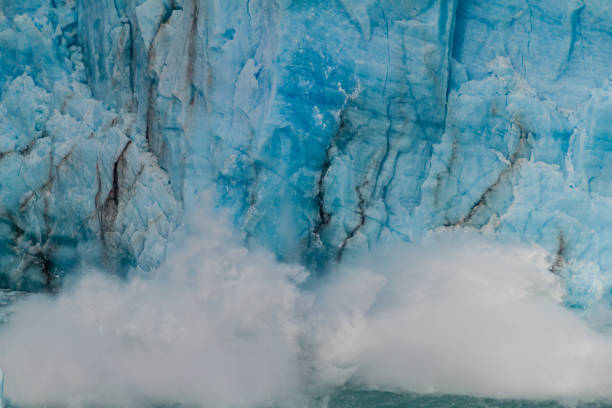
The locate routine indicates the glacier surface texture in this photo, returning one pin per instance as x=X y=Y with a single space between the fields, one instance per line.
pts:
x=326 y=127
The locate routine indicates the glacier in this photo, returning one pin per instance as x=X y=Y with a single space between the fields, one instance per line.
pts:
x=327 y=128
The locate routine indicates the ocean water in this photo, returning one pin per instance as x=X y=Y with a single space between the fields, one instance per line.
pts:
x=360 y=398
x=354 y=397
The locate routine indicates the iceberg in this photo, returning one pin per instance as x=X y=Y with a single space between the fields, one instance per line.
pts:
x=326 y=128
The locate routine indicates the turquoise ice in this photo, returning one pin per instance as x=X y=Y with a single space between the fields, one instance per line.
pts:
x=326 y=127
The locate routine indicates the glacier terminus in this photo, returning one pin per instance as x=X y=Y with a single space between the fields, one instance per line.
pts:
x=326 y=129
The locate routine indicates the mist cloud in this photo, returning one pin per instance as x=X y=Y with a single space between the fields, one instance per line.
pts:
x=220 y=325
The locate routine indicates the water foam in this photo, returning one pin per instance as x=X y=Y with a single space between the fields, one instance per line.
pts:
x=221 y=325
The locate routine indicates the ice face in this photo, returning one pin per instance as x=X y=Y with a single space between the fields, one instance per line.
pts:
x=76 y=182
x=327 y=128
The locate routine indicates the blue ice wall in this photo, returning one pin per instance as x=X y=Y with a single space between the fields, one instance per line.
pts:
x=75 y=183
x=327 y=127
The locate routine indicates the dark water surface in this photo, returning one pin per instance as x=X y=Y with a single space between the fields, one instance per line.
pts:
x=355 y=398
